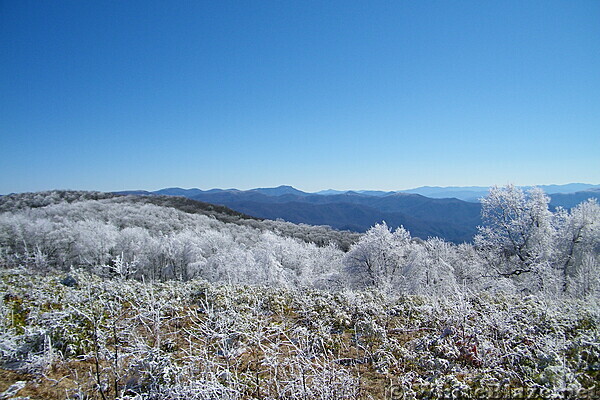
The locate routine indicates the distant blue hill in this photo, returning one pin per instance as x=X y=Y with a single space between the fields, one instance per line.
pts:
x=330 y=191
x=466 y=193
x=365 y=192
x=178 y=192
x=451 y=219
x=474 y=193
x=570 y=200
x=448 y=216
x=280 y=190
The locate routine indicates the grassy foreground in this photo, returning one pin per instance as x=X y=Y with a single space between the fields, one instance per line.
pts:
x=80 y=336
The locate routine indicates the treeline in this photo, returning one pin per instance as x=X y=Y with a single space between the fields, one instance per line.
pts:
x=117 y=236
x=523 y=247
x=320 y=235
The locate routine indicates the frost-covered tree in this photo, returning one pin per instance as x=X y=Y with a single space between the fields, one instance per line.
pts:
x=378 y=257
x=468 y=268
x=578 y=247
x=95 y=241
x=431 y=269
x=517 y=234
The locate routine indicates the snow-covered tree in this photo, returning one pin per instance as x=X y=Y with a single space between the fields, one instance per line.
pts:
x=578 y=247
x=517 y=234
x=378 y=257
x=430 y=270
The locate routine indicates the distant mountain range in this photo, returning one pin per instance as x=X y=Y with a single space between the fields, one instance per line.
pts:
x=570 y=200
x=453 y=219
x=468 y=193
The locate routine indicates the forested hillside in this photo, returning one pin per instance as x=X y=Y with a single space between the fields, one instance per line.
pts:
x=451 y=213
x=106 y=296
x=451 y=219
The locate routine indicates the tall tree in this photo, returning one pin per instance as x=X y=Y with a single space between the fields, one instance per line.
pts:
x=517 y=233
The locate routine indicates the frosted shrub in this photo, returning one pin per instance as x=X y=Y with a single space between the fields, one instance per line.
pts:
x=115 y=299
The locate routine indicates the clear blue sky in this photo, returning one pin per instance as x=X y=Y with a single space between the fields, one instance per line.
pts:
x=113 y=95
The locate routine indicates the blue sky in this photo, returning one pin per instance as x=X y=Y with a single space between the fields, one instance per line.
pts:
x=391 y=95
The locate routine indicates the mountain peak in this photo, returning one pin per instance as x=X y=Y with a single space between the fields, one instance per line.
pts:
x=280 y=190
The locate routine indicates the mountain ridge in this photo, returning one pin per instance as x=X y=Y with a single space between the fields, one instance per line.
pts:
x=451 y=218
x=428 y=191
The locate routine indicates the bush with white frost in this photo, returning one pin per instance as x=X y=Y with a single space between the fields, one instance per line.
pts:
x=105 y=297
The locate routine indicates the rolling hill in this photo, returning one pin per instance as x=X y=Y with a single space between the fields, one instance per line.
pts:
x=451 y=219
x=452 y=213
